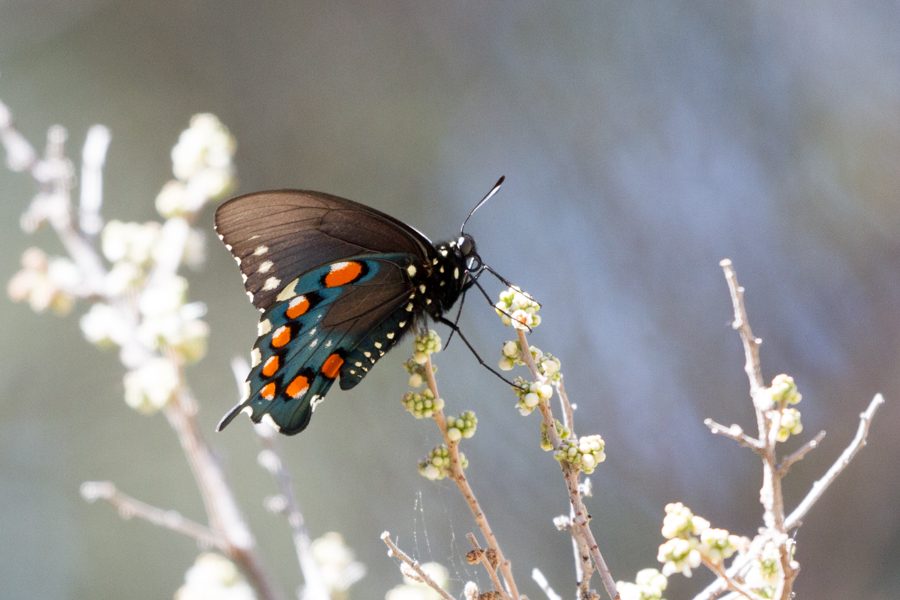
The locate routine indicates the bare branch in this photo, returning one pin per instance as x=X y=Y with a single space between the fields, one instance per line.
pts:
x=129 y=507
x=734 y=432
x=785 y=465
x=819 y=487
x=393 y=550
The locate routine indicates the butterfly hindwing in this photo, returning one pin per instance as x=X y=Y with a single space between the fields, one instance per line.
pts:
x=336 y=320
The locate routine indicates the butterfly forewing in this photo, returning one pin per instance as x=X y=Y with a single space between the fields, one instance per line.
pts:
x=277 y=236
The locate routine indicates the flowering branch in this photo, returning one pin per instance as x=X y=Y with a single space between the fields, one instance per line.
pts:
x=138 y=304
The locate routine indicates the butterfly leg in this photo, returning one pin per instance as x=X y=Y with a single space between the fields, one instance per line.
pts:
x=455 y=328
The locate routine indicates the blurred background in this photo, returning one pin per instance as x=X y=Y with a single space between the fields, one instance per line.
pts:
x=642 y=143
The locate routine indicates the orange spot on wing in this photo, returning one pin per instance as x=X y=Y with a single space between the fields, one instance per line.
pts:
x=281 y=337
x=332 y=365
x=298 y=387
x=297 y=307
x=268 y=392
x=271 y=366
x=342 y=273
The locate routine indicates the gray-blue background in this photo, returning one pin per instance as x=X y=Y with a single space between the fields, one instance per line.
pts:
x=642 y=143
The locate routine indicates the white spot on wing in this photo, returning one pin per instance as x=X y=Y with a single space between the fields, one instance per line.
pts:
x=456 y=273
x=255 y=357
x=411 y=269
x=271 y=283
x=315 y=401
x=268 y=420
x=260 y=250
x=390 y=336
x=288 y=292
x=378 y=344
x=265 y=326
x=265 y=266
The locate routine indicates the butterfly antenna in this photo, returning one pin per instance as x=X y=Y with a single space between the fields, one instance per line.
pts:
x=455 y=328
x=490 y=194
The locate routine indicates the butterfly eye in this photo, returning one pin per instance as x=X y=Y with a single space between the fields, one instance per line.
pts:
x=466 y=245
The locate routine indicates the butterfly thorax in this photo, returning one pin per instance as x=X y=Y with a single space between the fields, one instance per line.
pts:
x=445 y=280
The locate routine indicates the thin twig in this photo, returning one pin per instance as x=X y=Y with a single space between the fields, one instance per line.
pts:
x=485 y=560
x=731 y=583
x=465 y=489
x=819 y=487
x=393 y=550
x=797 y=456
x=580 y=516
x=129 y=507
x=735 y=432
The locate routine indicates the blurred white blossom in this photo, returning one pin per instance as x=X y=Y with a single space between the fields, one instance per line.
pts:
x=45 y=282
x=105 y=326
x=202 y=162
x=149 y=387
x=131 y=241
x=337 y=564
x=214 y=577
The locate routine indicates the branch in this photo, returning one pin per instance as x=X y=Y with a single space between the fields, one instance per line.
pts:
x=393 y=550
x=797 y=456
x=466 y=490
x=819 y=487
x=580 y=516
x=734 y=432
x=129 y=507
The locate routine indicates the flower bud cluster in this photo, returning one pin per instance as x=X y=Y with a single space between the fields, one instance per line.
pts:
x=462 y=426
x=691 y=539
x=45 y=282
x=202 y=165
x=547 y=364
x=649 y=584
x=583 y=453
x=530 y=394
x=422 y=404
x=776 y=400
x=561 y=430
x=437 y=464
x=788 y=423
x=517 y=308
x=764 y=572
x=426 y=345
x=416 y=372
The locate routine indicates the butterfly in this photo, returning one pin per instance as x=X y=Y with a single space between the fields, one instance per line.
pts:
x=338 y=284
